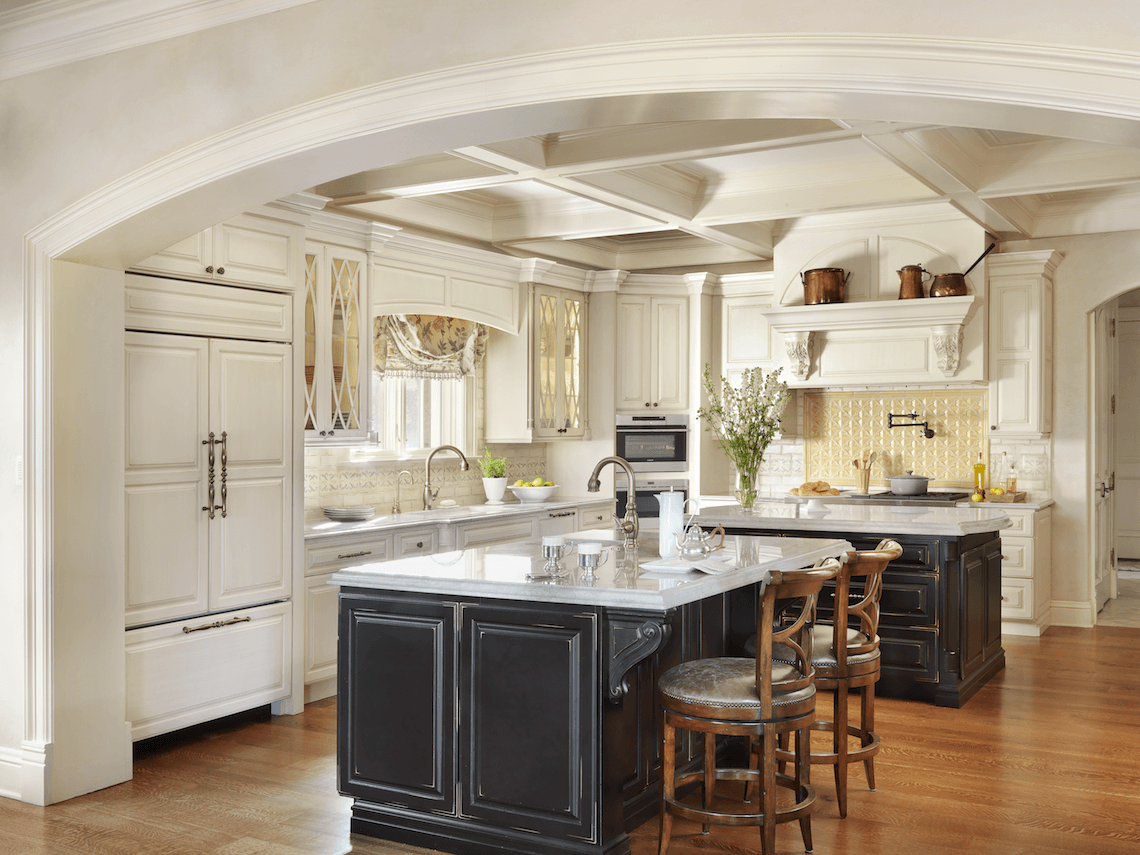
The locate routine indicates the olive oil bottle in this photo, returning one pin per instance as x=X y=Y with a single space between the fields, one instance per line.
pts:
x=980 y=476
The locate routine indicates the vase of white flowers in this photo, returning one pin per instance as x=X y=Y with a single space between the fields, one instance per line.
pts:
x=745 y=420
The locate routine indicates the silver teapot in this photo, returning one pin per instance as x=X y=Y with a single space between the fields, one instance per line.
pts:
x=697 y=543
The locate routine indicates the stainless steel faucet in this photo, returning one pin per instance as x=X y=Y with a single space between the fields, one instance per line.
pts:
x=429 y=493
x=411 y=478
x=629 y=524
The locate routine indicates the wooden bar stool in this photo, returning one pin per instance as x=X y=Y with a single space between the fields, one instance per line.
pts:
x=758 y=698
x=846 y=657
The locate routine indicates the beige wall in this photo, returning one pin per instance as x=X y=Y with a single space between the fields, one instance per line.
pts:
x=109 y=159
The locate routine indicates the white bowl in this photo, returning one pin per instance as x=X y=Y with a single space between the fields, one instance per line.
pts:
x=533 y=494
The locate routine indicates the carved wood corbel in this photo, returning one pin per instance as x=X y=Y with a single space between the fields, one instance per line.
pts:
x=948 y=347
x=630 y=638
x=799 y=346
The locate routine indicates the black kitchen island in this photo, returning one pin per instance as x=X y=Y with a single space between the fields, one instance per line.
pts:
x=480 y=710
x=940 y=624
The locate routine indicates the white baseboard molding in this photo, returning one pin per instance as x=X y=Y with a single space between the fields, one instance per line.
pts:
x=10 y=773
x=1076 y=613
x=320 y=689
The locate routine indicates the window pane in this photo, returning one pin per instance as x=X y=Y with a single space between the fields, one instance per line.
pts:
x=416 y=415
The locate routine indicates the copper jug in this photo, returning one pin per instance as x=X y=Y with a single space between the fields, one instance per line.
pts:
x=911 y=282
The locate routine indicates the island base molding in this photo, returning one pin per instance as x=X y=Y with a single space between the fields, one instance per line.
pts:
x=461 y=837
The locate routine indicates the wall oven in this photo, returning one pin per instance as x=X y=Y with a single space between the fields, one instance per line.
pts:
x=645 y=493
x=654 y=443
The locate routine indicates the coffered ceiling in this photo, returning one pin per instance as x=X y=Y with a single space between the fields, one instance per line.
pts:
x=718 y=194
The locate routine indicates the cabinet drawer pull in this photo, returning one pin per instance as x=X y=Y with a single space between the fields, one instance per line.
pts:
x=554 y=516
x=216 y=624
x=356 y=554
x=419 y=544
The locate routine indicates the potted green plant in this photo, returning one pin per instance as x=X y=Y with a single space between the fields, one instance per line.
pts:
x=494 y=477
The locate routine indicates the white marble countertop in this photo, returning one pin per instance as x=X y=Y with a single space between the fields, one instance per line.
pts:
x=505 y=571
x=852 y=516
x=325 y=528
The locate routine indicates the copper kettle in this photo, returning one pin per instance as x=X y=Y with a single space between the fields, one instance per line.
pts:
x=911 y=281
x=824 y=285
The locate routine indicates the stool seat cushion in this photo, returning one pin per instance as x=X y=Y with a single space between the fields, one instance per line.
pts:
x=727 y=681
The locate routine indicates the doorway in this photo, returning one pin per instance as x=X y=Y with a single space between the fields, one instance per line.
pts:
x=1124 y=477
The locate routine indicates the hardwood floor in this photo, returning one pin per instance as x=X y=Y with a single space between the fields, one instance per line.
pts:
x=1044 y=759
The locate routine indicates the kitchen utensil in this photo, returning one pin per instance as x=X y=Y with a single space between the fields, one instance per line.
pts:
x=911 y=282
x=590 y=558
x=824 y=285
x=954 y=284
x=909 y=484
x=671 y=522
x=698 y=543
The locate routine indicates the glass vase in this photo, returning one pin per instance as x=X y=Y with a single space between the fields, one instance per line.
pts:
x=747 y=489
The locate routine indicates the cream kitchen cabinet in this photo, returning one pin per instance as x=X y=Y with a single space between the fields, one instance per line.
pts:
x=560 y=347
x=1027 y=571
x=537 y=381
x=191 y=671
x=248 y=250
x=1021 y=343
x=338 y=343
x=652 y=353
x=209 y=475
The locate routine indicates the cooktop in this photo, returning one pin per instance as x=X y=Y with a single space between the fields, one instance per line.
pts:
x=945 y=499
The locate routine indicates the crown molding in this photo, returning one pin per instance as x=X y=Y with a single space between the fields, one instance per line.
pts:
x=51 y=33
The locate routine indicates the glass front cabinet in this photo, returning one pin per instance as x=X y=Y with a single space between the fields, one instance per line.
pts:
x=559 y=363
x=338 y=343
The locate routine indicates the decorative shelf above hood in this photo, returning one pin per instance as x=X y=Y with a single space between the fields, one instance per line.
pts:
x=945 y=317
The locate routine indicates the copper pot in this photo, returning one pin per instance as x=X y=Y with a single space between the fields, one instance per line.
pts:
x=824 y=285
x=948 y=285
x=911 y=282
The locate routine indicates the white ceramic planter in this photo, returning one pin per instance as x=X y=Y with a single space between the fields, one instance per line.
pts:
x=495 y=488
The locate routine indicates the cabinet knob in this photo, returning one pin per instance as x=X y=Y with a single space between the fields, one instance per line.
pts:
x=419 y=544
x=210 y=269
x=221 y=270
x=993 y=427
x=647 y=403
x=655 y=403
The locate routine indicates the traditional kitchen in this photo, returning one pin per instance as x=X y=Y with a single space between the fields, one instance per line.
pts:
x=483 y=441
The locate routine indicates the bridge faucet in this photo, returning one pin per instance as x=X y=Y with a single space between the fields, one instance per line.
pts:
x=629 y=525
x=429 y=493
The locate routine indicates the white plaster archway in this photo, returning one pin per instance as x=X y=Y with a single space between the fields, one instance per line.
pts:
x=974 y=84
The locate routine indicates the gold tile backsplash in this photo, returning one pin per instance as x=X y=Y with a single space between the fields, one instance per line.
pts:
x=838 y=426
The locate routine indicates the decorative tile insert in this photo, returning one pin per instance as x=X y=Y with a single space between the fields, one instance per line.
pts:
x=839 y=426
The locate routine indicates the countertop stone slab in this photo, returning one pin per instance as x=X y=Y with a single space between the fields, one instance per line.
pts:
x=849 y=516
x=321 y=529
x=501 y=572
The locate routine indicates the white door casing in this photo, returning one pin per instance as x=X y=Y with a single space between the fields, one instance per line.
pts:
x=1127 y=493
x=1103 y=434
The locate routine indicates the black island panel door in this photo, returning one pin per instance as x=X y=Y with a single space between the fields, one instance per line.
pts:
x=396 y=707
x=530 y=712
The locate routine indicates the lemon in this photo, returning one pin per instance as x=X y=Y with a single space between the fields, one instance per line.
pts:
x=997 y=491
x=977 y=497
x=519 y=483
x=537 y=482
x=548 y=484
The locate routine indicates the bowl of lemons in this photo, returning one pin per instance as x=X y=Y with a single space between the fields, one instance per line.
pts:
x=537 y=490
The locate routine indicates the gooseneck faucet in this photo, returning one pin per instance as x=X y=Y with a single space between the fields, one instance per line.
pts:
x=403 y=472
x=629 y=524
x=429 y=493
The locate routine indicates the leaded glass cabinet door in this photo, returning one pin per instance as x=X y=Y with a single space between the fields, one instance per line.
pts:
x=560 y=348
x=338 y=343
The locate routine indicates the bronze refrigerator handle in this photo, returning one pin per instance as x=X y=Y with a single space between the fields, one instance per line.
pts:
x=225 y=457
x=209 y=506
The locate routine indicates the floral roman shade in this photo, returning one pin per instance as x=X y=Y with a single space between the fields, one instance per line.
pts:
x=427 y=346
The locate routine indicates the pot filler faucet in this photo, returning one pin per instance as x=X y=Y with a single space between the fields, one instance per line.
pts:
x=429 y=493
x=629 y=524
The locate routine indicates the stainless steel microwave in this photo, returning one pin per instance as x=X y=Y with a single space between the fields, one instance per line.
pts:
x=654 y=443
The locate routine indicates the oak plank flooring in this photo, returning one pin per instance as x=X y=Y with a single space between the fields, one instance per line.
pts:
x=1044 y=759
